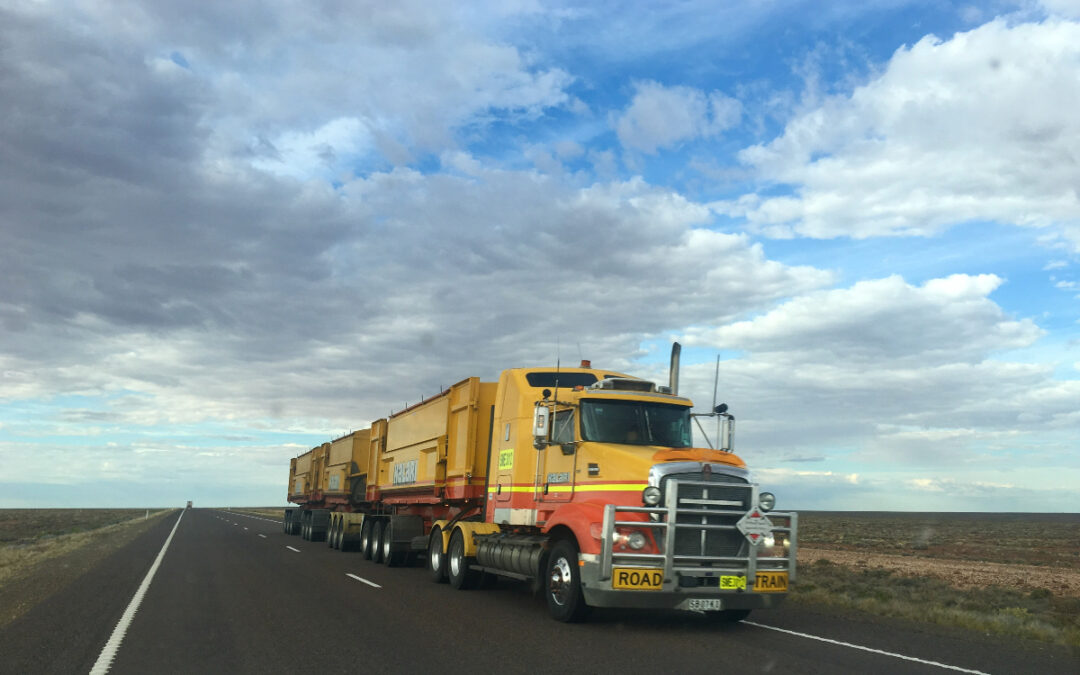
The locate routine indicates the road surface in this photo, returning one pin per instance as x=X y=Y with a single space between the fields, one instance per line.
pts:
x=232 y=593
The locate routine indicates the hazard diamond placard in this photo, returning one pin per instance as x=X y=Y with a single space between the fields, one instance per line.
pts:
x=754 y=525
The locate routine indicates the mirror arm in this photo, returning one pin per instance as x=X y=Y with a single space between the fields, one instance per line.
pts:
x=703 y=434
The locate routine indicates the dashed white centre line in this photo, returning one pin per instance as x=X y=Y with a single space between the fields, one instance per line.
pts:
x=294 y=550
x=363 y=580
x=263 y=536
x=868 y=649
x=245 y=528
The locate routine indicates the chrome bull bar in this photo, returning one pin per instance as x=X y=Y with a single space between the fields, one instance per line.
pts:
x=663 y=522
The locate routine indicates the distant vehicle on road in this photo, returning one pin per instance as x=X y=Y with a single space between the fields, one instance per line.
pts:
x=188 y=505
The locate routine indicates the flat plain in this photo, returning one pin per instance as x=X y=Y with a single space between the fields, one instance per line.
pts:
x=42 y=550
x=1012 y=574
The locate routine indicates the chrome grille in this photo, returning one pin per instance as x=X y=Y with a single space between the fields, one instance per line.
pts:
x=721 y=501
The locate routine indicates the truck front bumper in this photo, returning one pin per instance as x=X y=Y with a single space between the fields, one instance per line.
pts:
x=599 y=593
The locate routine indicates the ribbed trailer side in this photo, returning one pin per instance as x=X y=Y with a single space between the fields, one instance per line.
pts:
x=436 y=451
x=347 y=467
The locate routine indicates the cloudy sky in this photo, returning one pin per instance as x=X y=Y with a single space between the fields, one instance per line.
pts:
x=232 y=231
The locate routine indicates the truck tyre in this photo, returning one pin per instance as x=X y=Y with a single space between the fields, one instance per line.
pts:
x=286 y=522
x=365 y=538
x=390 y=557
x=436 y=560
x=331 y=532
x=461 y=577
x=376 y=541
x=565 y=600
x=342 y=545
x=728 y=615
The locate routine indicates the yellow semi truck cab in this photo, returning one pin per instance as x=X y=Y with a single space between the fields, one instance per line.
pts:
x=634 y=515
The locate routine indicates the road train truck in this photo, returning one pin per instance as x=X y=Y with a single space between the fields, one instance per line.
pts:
x=583 y=481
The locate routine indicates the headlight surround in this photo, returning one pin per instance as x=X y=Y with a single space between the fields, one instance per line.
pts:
x=651 y=496
x=767 y=501
x=775 y=545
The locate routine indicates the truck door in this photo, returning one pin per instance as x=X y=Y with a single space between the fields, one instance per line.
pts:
x=555 y=479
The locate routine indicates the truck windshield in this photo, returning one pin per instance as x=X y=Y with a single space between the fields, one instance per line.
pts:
x=636 y=423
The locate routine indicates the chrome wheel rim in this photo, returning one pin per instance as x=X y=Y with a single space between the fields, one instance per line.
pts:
x=559 y=586
x=455 y=563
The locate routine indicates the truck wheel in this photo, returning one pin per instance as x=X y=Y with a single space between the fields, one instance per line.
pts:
x=728 y=615
x=461 y=577
x=331 y=533
x=365 y=538
x=436 y=561
x=390 y=557
x=376 y=541
x=286 y=522
x=565 y=600
x=342 y=545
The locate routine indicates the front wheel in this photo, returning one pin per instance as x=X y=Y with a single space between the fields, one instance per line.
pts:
x=565 y=600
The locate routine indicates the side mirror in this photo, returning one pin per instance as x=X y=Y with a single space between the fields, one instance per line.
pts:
x=541 y=425
x=727 y=432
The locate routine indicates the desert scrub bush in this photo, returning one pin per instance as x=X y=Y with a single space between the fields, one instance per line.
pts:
x=1005 y=611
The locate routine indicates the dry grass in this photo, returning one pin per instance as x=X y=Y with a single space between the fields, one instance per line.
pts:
x=274 y=512
x=29 y=536
x=928 y=558
x=1051 y=539
x=44 y=550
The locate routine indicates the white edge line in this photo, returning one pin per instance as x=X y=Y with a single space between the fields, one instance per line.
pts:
x=362 y=579
x=868 y=649
x=108 y=653
x=294 y=550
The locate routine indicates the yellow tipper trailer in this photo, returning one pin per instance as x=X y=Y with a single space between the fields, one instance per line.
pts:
x=436 y=451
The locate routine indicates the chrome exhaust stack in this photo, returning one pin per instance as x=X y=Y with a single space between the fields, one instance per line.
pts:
x=673 y=369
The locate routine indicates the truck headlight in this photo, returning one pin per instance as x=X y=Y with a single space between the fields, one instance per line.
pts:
x=650 y=496
x=766 y=500
x=636 y=540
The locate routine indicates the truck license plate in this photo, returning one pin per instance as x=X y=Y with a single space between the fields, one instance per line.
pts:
x=770 y=582
x=637 y=578
x=704 y=604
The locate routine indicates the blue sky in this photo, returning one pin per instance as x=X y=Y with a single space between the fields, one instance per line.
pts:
x=231 y=232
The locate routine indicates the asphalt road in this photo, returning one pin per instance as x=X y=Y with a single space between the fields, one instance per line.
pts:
x=234 y=594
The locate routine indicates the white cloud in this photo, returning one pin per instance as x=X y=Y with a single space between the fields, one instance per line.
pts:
x=889 y=374
x=976 y=127
x=944 y=321
x=1063 y=8
x=661 y=117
